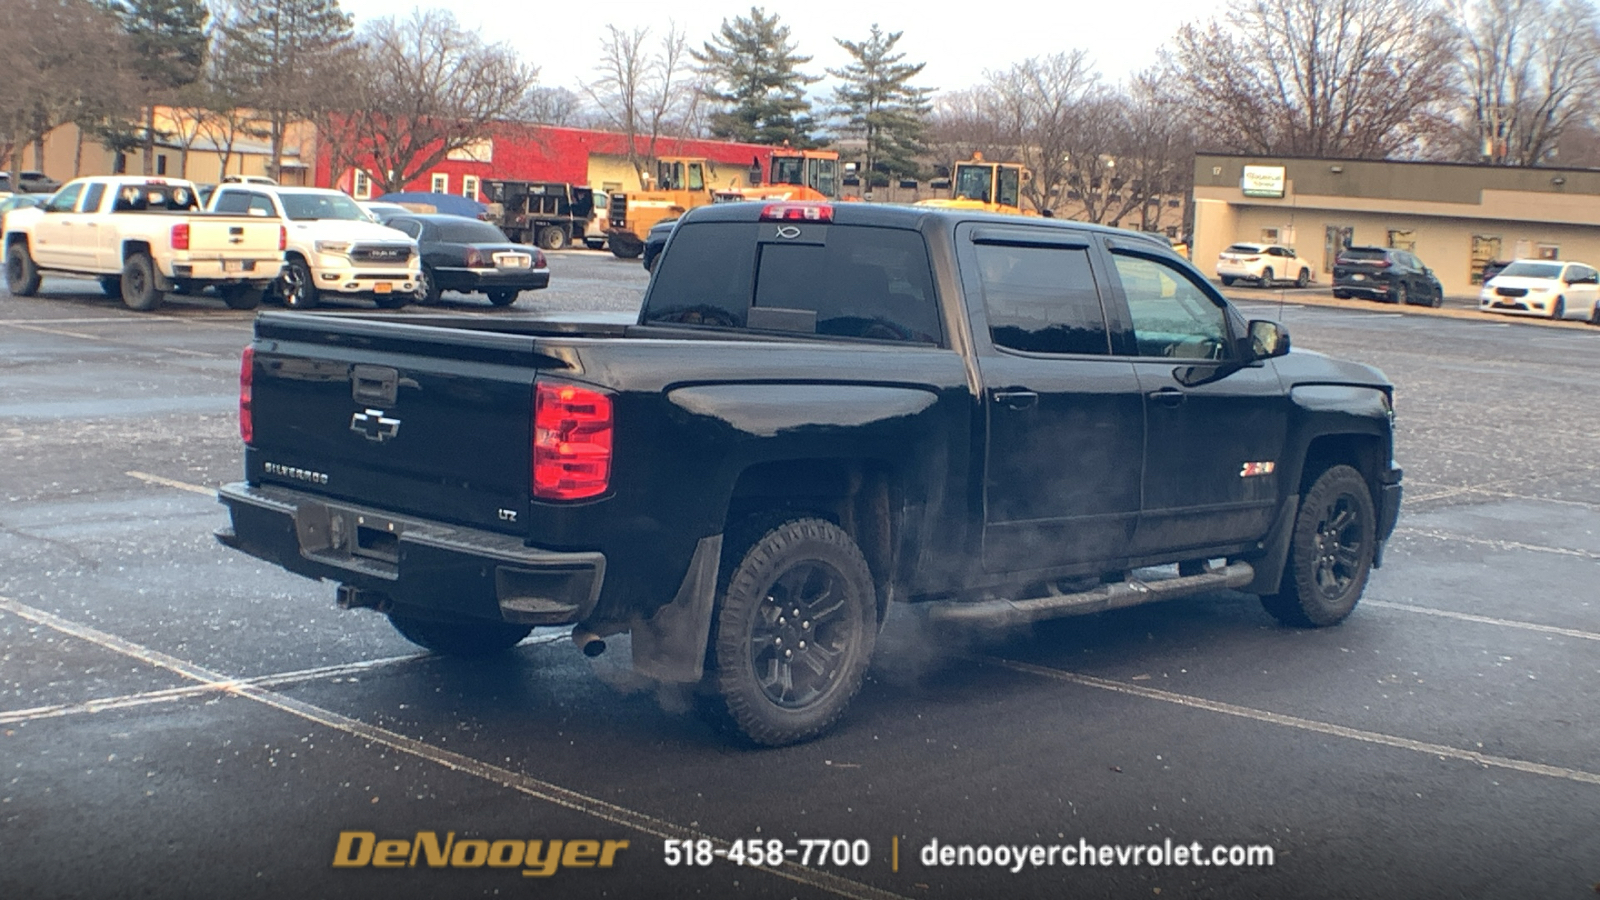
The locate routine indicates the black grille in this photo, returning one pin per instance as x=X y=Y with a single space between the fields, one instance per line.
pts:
x=380 y=254
x=1511 y=292
x=619 y=210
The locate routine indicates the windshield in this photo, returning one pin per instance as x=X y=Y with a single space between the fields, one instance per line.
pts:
x=1532 y=270
x=310 y=207
x=972 y=182
x=787 y=169
x=1363 y=253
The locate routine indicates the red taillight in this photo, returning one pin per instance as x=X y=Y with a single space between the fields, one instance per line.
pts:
x=283 y=238
x=180 y=236
x=247 y=368
x=797 y=212
x=571 y=442
x=1252 y=259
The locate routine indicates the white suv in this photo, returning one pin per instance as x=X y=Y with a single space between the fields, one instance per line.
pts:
x=1263 y=264
x=333 y=246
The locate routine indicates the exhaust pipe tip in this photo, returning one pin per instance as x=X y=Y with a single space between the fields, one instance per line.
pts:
x=590 y=643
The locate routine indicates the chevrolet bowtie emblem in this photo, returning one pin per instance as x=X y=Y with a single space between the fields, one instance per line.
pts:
x=374 y=425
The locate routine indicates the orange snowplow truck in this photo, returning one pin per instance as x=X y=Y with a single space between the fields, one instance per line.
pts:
x=989 y=186
x=794 y=175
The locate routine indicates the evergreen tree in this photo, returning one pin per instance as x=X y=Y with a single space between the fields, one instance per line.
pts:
x=168 y=39
x=284 y=49
x=879 y=104
x=753 y=68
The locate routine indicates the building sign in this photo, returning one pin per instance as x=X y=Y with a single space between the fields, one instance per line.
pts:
x=477 y=151
x=1263 y=181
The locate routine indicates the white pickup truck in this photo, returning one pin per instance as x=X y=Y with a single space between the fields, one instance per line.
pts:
x=142 y=237
x=333 y=246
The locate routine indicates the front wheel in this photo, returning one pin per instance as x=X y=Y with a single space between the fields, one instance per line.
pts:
x=22 y=276
x=503 y=297
x=295 y=287
x=1560 y=310
x=1398 y=298
x=1303 y=279
x=428 y=290
x=1330 y=555
x=793 y=631
x=139 y=283
x=467 y=638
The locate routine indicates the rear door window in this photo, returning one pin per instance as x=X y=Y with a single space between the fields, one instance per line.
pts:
x=837 y=280
x=1042 y=299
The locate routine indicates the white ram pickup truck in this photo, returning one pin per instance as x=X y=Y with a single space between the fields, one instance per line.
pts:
x=142 y=237
x=333 y=247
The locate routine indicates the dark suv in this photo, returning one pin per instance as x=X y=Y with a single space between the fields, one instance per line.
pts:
x=1383 y=273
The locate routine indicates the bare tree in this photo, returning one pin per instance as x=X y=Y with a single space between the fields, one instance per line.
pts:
x=1356 y=78
x=965 y=122
x=643 y=93
x=1051 y=109
x=553 y=106
x=1530 y=70
x=429 y=88
x=50 y=81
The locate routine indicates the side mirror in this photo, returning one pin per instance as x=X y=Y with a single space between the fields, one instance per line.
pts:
x=1267 y=339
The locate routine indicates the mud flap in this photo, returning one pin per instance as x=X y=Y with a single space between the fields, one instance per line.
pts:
x=1269 y=565
x=671 y=645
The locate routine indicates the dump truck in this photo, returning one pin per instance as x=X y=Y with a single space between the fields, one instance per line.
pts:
x=547 y=213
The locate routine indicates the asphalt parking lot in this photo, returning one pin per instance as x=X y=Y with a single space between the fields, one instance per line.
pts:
x=179 y=720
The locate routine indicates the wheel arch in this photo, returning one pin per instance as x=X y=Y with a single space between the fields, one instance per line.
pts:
x=130 y=249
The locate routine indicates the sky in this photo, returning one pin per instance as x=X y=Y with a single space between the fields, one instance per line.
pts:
x=958 y=41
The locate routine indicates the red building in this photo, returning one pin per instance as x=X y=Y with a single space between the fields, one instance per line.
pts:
x=525 y=152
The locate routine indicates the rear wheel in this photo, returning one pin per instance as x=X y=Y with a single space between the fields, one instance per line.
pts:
x=1594 y=315
x=22 y=276
x=1330 y=556
x=139 y=283
x=239 y=296
x=111 y=286
x=1266 y=277
x=462 y=637
x=551 y=237
x=503 y=298
x=1398 y=295
x=1227 y=281
x=794 y=628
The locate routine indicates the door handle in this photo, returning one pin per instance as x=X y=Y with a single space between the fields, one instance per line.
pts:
x=1016 y=399
x=1168 y=396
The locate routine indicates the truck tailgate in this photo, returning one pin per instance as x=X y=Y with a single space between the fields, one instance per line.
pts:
x=233 y=235
x=430 y=421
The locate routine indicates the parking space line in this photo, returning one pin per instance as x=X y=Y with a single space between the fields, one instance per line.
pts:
x=1495 y=543
x=1271 y=718
x=168 y=482
x=523 y=784
x=279 y=679
x=1483 y=620
x=62 y=332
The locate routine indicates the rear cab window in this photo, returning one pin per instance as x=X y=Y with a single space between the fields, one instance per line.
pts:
x=843 y=281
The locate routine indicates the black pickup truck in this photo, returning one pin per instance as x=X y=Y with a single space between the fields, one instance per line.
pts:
x=819 y=410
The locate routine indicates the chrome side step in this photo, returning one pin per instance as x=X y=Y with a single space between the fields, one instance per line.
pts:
x=1133 y=592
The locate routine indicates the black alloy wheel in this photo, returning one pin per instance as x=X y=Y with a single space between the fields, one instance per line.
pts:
x=793 y=631
x=139 y=283
x=1330 y=554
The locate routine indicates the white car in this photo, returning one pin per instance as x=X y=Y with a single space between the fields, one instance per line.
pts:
x=1263 y=264
x=334 y=248
x=1544 y=287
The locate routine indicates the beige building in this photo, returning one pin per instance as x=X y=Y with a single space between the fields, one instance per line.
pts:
x=203 y=151
x=1455 y=217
